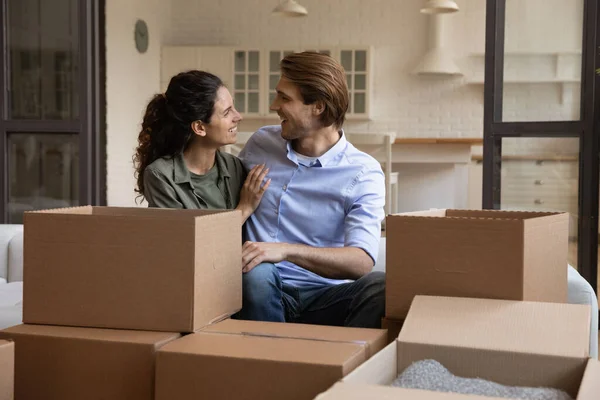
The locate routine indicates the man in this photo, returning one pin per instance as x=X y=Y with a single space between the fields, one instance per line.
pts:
x=314 y=238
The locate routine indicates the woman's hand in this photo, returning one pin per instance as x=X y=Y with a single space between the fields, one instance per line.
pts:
x=253 y=190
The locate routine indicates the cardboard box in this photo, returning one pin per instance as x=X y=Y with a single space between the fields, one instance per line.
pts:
x=342 y=391
x=55 y=362
x=373 y=340
x=507 y=255
x=7 y=370
x=393 y=326
x=132 y=268
x=508 y=342
x=258 y=361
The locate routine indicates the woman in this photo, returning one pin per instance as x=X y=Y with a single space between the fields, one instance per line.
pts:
x=178 y=163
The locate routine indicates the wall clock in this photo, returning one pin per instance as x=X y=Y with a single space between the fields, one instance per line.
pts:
x=141 y=36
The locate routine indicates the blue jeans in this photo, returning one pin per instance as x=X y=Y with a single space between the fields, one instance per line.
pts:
x=356 y=304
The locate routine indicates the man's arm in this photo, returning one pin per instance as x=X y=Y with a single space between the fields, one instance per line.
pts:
x=365 y=201
x=333 y=263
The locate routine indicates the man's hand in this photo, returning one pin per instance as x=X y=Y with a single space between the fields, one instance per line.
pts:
x=254 y=253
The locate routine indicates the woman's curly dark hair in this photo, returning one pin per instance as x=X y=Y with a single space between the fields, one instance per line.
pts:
x=167 y=124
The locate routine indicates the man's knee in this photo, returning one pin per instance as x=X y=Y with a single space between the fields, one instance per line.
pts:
x=374 y=282
x=373 y=290
x=262 y=282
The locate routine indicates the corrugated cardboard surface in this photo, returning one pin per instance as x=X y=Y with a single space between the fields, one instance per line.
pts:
x=218 y=276
x=509 y=342
x=393 y=326
x=7 y=370
x=590 y=386
x=479 y=254
x=373 y=339
x=232 y=366
x=346 y=391
x=504 y=325
x=53 y=362
x=131 y=268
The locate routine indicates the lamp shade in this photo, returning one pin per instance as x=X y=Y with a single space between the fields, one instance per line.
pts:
x=290 y=8
x=439 y=7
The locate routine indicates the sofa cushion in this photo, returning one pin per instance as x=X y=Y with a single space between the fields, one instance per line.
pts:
x=11 y=304
x=7 y=232
x=15 y=258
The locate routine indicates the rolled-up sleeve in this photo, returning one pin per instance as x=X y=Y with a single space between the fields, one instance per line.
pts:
x=158 y=192
x=366 y=198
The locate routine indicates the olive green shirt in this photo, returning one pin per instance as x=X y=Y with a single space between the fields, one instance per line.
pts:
x=169 y=184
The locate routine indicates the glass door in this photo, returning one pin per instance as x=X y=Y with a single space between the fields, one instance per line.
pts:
x=51 y=122
x=540 y=142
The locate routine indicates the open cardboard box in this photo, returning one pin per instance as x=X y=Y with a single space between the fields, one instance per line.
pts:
x=508 y=342
x=510 y=255
x=262 y=360
x=132 y=268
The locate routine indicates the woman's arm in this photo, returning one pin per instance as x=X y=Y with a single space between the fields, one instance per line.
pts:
x=253 y=190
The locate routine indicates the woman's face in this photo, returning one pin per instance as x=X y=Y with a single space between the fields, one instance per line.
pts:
x=223 y=126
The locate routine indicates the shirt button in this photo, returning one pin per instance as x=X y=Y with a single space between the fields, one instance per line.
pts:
x=284 y=187
x=272 y=234
x=276 y=211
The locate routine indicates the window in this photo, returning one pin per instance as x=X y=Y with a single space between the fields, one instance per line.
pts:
x=247 y=81
x=355 y=64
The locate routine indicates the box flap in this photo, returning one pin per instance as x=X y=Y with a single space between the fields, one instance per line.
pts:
x=147 y=212
x=590 y=384
x=550 y=329
x=381 y=369
x=263 y=348
x=347 y=391
x=107 y=335
x=6 y=344
x=501 y=214
x=373 y=339
x=434 y=212
x=545 y=257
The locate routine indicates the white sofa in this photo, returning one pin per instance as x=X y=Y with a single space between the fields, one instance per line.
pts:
x=579 y=292
x=11 y=282
x=11 y=275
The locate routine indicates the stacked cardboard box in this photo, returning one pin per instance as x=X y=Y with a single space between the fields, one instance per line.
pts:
x=261 y=360
x=515 y=343
x=106 y=287
x=7 y=370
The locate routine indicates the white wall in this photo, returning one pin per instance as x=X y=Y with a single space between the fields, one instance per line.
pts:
x=131 y=79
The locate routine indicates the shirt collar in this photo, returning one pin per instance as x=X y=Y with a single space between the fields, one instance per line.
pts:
x=181 y=173
x=326 y=158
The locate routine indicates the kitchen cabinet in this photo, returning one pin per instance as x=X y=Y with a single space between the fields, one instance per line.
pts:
x=251 y=74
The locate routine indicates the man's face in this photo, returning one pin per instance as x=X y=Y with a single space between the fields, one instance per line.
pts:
x=298 y=120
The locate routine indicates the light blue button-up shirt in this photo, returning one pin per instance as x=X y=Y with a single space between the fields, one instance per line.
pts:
x=335 y=202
